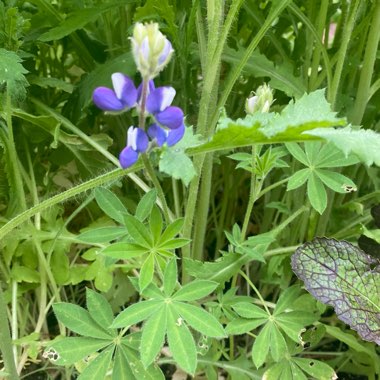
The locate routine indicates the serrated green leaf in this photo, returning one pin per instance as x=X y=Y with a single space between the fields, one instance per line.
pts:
x=364 y=143
x=315 y=368
x=98 y=367
x=298 y=179
x=181 y=342
x=144 y=208
x=316 y=193
x=138 y=231
x=153 y=336
x=261 y=345
x=110 y=204
x=12 y=73
x=343 y=276
x=200 y=320
x=72 y=349
x=170 y=277
x=240 y=326
x=98 y=307
x=136 y=313
x=248 y=310
x=335 y=181
x=146 y=272
x=102 y=234
x=79 y=320
x=124 y=251
x=121 y=369
x=155 y=224
x=195 y=290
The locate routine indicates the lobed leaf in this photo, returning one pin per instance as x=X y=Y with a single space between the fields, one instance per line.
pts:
x=343 y=276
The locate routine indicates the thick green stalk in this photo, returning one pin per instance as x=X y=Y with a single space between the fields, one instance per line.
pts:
x=363 y=93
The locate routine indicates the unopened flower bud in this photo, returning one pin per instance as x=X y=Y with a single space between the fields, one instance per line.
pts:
x=151 y=49
x=260 y=101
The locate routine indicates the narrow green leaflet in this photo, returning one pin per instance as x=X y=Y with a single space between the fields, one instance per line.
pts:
x=79 y=320
x=248 y=310
x=240 y=326
x=145 y=205
x=110 y=204
x=102 y=234
x=124 y=251
x=138 y=231
x=315 y=368
x=97 y=368
x=181 y=342
x=343 y=276
x=170 y=277
x=195 y=290
x=309 y=112
x=364 y=143
x=261 y=345
x=121 y=369
x=316 y=193
x=146 y=272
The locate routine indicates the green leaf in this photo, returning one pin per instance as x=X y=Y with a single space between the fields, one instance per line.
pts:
x=335 y=181
x=248 y=310
x=21 y=273
x=240 y=326
x=195 y=290
x=329 y=156
x=316 y=193
x=170 y=277
x=297 y=152
x=155 y=224
x=12 y=73
x=364 y=143
x=124 y=251
x=200 y=320
x=175 y=162
x=278 y=347
x=100 y=310
x=79 y=320
x=343 y=276
x=286 y=299
x=146 y=272
x=171 y=230
x=315 y=368
x=138 y=231
x=309 y=112
x=153 y=336
x=110 y=204
x=78 y=19
x=298 y=179
x=181 y=342
x=121 y=369
x=261 y=345
x=98 y=367
x=174 y=243
x=136 y=313
x=72 y=349
x=144 y=208
x=102 y=234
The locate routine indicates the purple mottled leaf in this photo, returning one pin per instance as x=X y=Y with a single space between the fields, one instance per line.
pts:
x=341 y=275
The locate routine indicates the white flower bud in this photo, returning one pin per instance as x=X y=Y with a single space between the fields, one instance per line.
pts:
x=260 y=101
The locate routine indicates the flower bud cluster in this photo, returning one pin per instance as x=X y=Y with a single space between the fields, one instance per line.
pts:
x=260 y=101
x=151 y=51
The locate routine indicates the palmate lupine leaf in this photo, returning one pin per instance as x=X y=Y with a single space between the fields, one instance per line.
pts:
x=343 y=276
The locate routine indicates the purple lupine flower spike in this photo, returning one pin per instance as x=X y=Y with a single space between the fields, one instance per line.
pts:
x=171 y=117
x=163 y=136
x=137 y=142
x=122 y=98
x=175 y=135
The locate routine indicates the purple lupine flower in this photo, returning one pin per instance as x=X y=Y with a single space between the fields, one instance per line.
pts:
x=137 y=142
x=158 y=104
x=162 y=136
x=121 y=98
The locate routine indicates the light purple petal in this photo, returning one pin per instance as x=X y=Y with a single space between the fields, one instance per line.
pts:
x=125 y=89
x=175 y=135
x=165 y=53
x=128 y=157
x=171 y=117
x=105 y=99
x=159 y=99
x=158 y=133
x=145 y=48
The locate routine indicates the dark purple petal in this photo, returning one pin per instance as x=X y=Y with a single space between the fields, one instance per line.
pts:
x=159 y=99
x=128 y=157
x=171 y=117
x=158 y=133
x=137 y=139
x=175 y=135
x=125 y=89
x=151 y=87
x=106 y=99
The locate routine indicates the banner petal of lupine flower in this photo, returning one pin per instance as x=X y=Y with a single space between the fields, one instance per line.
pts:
x=137 y=139
x=159 y=99
x=105 y=99
x=128 y=157
x=171 y=117
x=175 y=135
x=158 y=133
x=125 y=89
